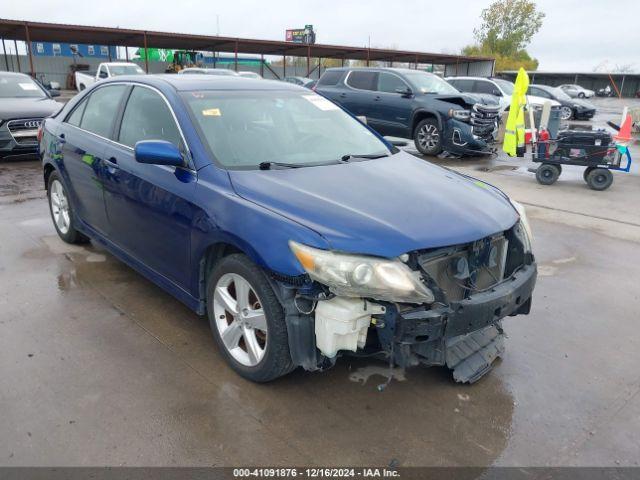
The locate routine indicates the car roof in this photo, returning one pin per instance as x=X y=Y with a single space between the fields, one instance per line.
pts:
x=206 y=82
x=377 y=69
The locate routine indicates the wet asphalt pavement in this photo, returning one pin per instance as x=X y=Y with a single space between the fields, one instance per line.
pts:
x=100 y=367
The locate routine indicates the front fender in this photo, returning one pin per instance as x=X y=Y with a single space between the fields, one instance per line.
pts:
x=263 y=235
x=427 y=112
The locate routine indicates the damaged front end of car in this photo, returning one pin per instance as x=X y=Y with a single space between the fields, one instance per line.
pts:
x=471 y=127
x=441 y=306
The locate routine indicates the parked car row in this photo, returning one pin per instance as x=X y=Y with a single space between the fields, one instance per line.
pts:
x=299 y=231
x=24 y=103
x=415 y=105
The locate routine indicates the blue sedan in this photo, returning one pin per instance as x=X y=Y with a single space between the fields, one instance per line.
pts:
x=301 y=233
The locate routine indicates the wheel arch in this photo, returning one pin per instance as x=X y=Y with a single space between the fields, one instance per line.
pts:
x=420 y=115
x=48 y=169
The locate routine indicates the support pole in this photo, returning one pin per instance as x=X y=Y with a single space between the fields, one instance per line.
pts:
x=342 y=62
x=28 y=45
x=262 y=64
x=416 y=66
x=126 y=53
x=146 y=54
x=308 y=60
x=319 y=67
x=284 y=66
x=368 y=56
x=235 y=55
x=4 y=50
x=109 y=50
x=15 y=44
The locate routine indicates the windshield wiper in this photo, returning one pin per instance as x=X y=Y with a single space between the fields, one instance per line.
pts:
x=371 y=156
x=268 y=165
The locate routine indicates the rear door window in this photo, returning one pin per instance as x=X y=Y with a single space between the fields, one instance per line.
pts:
x=462 y=84
x=76 y=116
x=330 y=78
x=363 y=80
x=390 y=83
x=147 y=117
x=482 y=86
x=102 y=107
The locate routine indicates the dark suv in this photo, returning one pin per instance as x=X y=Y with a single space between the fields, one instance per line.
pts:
x=414 y=104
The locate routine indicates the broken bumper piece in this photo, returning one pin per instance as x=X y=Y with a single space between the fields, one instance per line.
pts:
x=466 y=335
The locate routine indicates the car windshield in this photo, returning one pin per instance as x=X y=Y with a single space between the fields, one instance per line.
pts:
x=117 y=70
x=246 y=128
x=429 y=83
x=560 y=94
x=505 y=85
x=20 y=87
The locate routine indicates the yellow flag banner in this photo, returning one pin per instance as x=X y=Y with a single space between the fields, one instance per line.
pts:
x=514 y=129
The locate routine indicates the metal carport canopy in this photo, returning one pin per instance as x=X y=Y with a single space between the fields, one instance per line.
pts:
x=54 y=32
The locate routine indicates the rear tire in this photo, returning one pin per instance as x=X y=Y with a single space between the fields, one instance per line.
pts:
x=581 y=95
x=586 y=172
x=599 y=179
x=547 y=174
x=428 y=137
x=247 y=320
x=62 y=212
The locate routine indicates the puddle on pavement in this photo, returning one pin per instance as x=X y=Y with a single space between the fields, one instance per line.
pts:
x=337 y=417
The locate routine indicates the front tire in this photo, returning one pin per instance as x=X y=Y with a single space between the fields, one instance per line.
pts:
x=428 y=137
x=547 y=174
x=581 y=95
x=61 y=210
x=247 y=320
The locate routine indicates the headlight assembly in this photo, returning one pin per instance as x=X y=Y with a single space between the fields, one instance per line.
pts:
x=523 y=226
x=362 y=276
x=462 y=115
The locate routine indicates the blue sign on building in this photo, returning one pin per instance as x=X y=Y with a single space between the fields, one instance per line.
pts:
x=52 y=49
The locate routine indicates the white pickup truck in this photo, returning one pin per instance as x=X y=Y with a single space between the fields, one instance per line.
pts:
x=106 y=70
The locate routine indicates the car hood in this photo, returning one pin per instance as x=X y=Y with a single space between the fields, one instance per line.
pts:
x=469 y=99
x=383 y=207
x=581 y=103
x=27 y=107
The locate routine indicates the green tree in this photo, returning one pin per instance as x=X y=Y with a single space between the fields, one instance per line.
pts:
x=506 y=30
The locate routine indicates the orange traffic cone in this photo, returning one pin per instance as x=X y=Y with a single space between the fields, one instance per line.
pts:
x=624 y=134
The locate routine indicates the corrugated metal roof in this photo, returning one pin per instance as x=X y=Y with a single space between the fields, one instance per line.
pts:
x=54 y=32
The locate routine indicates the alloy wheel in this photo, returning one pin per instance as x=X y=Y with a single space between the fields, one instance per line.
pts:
x=565 y=113
x=59 y=206
x=428 y=136
x=240 y=319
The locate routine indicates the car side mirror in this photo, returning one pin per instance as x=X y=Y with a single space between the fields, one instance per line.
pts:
x=158 y=152
x=54 y=93
x=497 y=93
x=405 y=92
x=102 y=74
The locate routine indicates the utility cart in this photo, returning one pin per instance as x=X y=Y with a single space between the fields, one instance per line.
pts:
x=595 y=150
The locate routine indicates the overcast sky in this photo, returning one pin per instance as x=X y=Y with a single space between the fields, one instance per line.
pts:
x=577 y=35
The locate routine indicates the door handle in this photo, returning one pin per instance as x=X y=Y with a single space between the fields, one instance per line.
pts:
x=111 y=163
x=377 y=98
x=343 y=95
